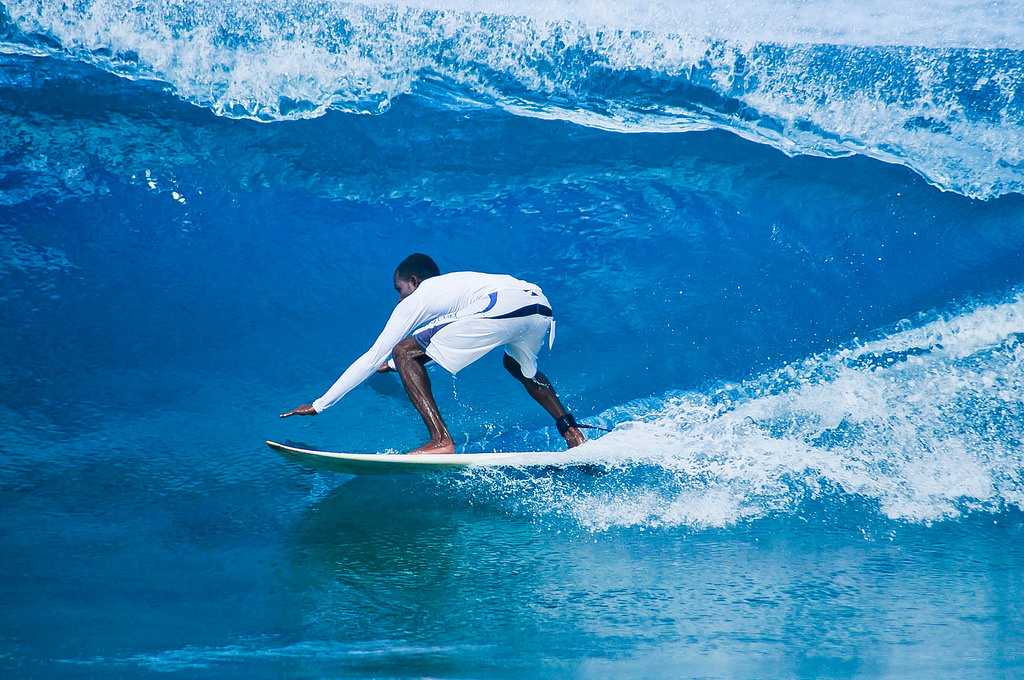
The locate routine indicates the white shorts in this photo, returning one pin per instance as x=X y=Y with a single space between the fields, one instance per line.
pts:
x=517 y=320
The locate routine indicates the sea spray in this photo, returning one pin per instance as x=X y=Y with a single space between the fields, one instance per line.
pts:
x=923 y=423
x=937 y=91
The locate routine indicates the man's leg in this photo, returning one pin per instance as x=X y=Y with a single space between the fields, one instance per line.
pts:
x=409 y=360
x=543 y=392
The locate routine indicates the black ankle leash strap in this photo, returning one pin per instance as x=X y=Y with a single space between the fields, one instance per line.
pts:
x=568 y=420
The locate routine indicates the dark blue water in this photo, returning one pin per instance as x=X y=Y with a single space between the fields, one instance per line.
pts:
x=788 y=273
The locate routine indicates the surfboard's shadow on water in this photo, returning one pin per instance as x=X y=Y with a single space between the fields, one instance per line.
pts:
x=402 y=506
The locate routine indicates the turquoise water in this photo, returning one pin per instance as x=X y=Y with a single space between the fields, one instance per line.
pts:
x=784 y=249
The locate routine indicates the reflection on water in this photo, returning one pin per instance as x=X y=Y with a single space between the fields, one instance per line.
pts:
x=810 y=597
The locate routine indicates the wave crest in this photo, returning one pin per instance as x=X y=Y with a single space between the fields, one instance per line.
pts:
x=800 y=81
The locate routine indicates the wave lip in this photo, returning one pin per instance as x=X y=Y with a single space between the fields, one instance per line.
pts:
x=941 y=96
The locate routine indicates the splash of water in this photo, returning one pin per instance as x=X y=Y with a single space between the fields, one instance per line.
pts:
x=925 y=423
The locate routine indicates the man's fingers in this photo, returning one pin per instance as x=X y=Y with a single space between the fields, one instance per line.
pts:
x=304 y=410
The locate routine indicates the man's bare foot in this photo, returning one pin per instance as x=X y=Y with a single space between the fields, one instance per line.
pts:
x=444 y=446
x=573 y=437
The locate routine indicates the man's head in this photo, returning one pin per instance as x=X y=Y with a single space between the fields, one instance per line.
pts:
x=412 y=271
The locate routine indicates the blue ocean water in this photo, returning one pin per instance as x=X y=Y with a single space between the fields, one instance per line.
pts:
x=785 y=248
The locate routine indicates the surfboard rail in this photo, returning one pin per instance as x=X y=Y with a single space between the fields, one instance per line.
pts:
x=394 y=463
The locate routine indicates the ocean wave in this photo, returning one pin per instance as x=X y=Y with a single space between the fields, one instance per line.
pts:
x=937 y=91
x=925 y=423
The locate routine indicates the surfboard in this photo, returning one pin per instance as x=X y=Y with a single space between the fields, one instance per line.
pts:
x=400 y=463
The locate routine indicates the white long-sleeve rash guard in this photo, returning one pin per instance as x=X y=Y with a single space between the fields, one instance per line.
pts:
x=438 y=296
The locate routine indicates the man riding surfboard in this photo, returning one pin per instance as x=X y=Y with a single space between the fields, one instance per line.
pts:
x=455 y=319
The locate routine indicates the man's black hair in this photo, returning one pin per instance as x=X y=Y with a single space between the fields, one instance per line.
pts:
x=418 y=264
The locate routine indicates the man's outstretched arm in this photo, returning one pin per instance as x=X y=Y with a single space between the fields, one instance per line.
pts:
x=308 y=410
x=410 y=313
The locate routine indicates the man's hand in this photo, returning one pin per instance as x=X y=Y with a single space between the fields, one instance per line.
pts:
x=384 y=368
x=304 y=410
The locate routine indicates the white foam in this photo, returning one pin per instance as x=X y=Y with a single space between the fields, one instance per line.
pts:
x=298 y=59
x=922 y=435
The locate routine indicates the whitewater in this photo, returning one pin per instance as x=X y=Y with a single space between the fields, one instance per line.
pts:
x=922 y=424
x=936 y=89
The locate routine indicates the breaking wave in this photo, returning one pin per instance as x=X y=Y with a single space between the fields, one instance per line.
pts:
x=936 y=87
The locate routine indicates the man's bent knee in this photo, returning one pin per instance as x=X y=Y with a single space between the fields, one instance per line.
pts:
x=407 y=350
x=513 y=367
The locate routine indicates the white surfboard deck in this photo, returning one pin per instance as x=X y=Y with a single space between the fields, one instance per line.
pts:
x=397 y=463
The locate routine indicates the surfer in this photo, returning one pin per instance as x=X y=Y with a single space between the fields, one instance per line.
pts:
x=454 y=319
